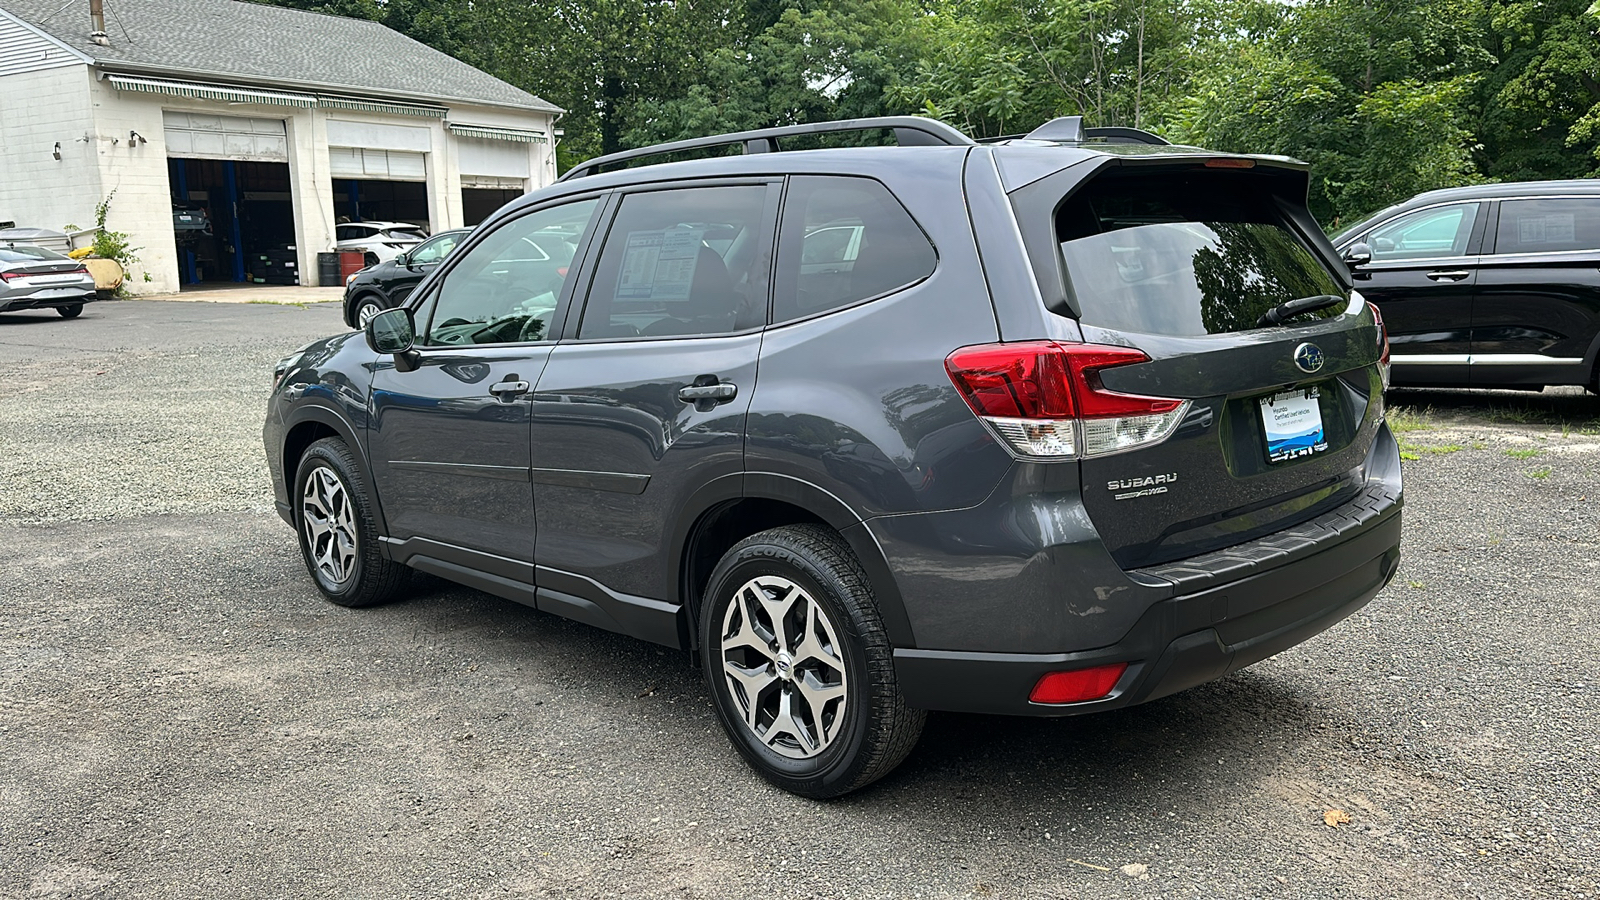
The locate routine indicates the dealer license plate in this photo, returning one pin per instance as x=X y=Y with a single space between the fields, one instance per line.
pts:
x=1292 y=421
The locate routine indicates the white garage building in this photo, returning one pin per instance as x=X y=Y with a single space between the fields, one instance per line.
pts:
x=278 y=124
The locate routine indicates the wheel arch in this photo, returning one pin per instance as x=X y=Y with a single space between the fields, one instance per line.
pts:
x=309 y=424
x=360 y=296
x=732 y=508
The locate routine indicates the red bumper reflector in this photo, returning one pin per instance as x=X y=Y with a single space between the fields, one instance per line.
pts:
x=1079 y=685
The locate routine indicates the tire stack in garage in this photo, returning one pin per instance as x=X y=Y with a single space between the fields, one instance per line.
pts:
x=277 y=265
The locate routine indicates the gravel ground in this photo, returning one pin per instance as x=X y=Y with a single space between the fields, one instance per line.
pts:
x=182 y=716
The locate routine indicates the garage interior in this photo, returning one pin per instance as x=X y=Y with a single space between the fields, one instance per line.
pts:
x=371 y=185
x=232 y=212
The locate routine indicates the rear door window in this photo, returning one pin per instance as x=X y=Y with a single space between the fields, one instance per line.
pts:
x=844 y=240
x=681 y=263
x=1425 y=234
x=1548 y=226
x=1184 y=254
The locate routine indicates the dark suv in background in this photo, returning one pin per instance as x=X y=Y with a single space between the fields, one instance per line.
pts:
x=1494 y=285
x=1043 y=427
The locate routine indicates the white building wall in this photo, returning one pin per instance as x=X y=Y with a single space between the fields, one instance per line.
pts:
x=92 y=121
x=38 y=109
x=137 y=171
x=541 y=157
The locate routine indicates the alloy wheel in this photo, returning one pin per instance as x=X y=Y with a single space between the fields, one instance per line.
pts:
x=330 y=525
x=784 y=667
x=365 y=312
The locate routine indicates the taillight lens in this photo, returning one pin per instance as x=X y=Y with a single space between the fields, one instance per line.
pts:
x=1046 y=401
x=13 y=276
x=1383 y=344
x=1078 y=686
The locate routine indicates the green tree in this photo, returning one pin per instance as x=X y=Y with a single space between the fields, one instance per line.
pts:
x=1373 y=93
x=1541 y=101
x=1004 y=66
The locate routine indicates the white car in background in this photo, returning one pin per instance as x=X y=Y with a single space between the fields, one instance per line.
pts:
x=380 y=241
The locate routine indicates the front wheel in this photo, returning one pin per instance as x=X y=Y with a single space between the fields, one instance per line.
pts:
x=70 y=312
x=338 y=534
x=366 y=308
x=799 y=665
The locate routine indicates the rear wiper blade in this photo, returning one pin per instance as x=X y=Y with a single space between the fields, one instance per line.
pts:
x=1286 y=311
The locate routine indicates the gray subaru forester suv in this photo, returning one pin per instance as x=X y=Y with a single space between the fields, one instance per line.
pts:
x=1043 y=426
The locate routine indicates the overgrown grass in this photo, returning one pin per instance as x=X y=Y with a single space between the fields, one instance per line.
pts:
x=1406 y=419
x=1528 y=453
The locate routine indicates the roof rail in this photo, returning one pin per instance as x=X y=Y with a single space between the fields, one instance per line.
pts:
x=909 y=131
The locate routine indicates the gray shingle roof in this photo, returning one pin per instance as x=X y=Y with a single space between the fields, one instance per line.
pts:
x=243 y=42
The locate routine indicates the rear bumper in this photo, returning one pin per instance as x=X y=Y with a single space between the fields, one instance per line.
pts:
x=1179 y=642
x=49 y=298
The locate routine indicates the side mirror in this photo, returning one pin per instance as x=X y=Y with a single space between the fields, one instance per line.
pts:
x=403 y=260
x=393 y=331
x=1358 y=254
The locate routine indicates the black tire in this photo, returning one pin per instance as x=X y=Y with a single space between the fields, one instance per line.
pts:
x=70 y=312
x=875 y=729
x=370 y=579
x=365 y=302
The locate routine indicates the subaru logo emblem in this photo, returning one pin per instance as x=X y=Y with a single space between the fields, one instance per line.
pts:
x=1308 y=357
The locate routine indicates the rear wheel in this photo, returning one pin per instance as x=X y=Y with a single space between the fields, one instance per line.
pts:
x=338 y=534
x=70 y=312
x=800 y=669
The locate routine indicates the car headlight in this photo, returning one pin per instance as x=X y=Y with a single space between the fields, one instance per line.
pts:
x=349 y=278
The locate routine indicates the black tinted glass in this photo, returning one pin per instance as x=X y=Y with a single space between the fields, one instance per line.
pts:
x=844 y=240
x=505 y=289
x=1548 y=226
x=681 y=263
x=1426 y=233
x=1184 y=254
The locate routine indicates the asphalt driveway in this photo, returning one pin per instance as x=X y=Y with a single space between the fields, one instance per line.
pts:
x=181 y=715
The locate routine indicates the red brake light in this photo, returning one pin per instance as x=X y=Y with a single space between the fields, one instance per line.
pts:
x=1038 y=395
x=1023 y=381
x=1079 y=685
x=12 y=276
x=1383 y=344
x=1227 y=163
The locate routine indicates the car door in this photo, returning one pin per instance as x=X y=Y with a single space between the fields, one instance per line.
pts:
x=1536 y=316
x=1421 y=277
x=449 y=439
x=643 y=402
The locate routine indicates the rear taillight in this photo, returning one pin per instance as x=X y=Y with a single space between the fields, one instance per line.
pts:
x=1079 y=685
x=13 y=276
x=1045 y=399
x=1383 y=345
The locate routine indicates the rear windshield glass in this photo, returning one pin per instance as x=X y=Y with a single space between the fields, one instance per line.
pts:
x=1184 y=254
x=27 y=254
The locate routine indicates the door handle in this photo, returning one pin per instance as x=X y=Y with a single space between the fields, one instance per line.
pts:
x=707 y=391
x=507 y=391
x=1452 y=275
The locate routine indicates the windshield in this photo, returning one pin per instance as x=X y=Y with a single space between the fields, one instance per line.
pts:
x=1185 y=254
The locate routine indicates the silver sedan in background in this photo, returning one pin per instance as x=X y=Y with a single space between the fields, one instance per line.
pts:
x=36 y=278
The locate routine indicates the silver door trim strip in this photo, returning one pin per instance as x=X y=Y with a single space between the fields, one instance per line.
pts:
x=1523 y=359
x=505 y=473
x=1483 y=359
x=616 y=482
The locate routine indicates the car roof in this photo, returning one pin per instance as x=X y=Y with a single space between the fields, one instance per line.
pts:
x=1495 y=191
